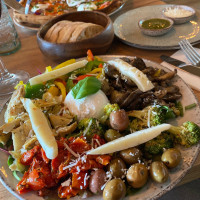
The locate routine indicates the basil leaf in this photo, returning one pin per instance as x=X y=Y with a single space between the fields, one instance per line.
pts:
x=85 y=87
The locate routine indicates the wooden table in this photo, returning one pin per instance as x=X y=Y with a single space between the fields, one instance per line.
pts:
x=30 y=59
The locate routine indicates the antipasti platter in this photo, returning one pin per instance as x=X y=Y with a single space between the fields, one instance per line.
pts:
x=77 y=95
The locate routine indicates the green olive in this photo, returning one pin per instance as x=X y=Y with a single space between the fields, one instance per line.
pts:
x=171 y=157
x=159 y=172
x=117 y=167
x=111 y=134
x=119 y=120
x=114 y=190
x=137 y=175
x=131 y=156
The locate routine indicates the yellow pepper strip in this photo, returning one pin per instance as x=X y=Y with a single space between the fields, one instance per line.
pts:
x=48 y=69
x=62 y=88
x=10 y=119
x=96 y=70
x=98 y=58
x=98 y=76
x=68 y=62
x=157 y=73
x=20 y=83
x=53 y=90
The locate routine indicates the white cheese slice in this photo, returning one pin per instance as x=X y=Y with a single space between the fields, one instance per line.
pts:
x=72 y=3
x=137 y=76
x=57 y=73
x=39 y=6
x=41 y=128
x=87 y=6
x=131 y=140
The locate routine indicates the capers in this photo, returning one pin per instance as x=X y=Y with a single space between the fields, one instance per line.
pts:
x=114 y=190
x=131 y=156
x=159 y=172
x=137 y=175
x=117 y=167
x=111 y=134
x=171 y=157
x=119 y=120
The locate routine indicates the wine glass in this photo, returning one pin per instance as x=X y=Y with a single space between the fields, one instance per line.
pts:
x=9 y=80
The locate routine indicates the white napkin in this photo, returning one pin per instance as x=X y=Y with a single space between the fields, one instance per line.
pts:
x=190 y=79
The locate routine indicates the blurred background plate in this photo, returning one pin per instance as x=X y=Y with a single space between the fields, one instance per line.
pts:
x=111 y=11
x=25 y=25
x=127 y=30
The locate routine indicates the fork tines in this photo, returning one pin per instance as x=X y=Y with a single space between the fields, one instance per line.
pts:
x=190 y=52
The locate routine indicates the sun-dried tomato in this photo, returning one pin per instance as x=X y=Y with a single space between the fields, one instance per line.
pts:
x=67 y=192
x=27 y=157
x=80 y=180
x=79 y=145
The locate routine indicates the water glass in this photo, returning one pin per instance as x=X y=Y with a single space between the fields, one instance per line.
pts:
x=9 y=40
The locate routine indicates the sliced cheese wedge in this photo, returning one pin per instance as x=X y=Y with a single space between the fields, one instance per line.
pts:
x=131 y=140
x=41 y=128
x=137 y=76
x=57 y=73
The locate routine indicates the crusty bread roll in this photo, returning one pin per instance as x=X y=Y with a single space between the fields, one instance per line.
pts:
x=67 y=31
x=85 y=31
x=51 y=30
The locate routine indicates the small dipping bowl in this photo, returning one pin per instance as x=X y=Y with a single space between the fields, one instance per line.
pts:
x=155 y=26
x=187 y=13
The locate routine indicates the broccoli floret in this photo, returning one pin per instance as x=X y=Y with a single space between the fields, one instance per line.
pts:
x=89 y=127
x=136 y=125
x=150 y=116
x=158 y=144
x=107 y=110
x=187 y=135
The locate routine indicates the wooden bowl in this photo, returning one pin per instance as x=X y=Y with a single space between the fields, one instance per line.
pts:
x=98 y=44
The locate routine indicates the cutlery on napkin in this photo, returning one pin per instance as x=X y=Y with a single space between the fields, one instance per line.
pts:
x=190 y=79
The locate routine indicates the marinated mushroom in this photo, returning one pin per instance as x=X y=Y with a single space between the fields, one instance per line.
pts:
x=97 y=180
x=119 y=120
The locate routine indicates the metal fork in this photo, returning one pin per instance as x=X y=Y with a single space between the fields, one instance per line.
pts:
x=190 y=52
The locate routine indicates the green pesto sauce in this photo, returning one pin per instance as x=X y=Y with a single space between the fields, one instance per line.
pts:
x=155 y=24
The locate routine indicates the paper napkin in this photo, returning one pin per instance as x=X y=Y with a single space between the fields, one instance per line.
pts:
x=190 y=79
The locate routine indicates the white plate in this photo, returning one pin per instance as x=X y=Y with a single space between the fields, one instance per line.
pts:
x=25 y=25
x=127 y=30
x=34 y=27
x=151 y=190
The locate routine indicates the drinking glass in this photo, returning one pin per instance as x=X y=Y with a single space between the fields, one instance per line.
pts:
x=9 y=43
x=9 y=40
x=9 y=80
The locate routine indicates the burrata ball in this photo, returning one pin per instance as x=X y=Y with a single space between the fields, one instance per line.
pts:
x=91 y=106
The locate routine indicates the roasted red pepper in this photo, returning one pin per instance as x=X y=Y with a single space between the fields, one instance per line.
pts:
x=81 y=77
